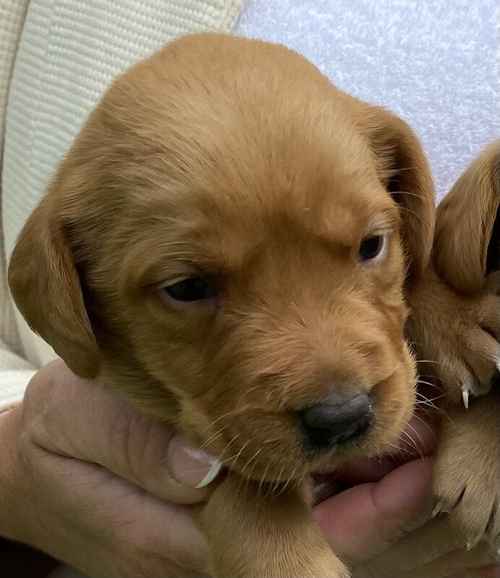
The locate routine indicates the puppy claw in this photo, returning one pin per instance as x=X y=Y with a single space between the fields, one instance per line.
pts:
x=440 y=508
x=437 y=509
x=465 y=397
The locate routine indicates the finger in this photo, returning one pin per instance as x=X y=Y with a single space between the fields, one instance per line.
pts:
x=418 y=439
x=433 y=549
x=489 y=572
x=367 y=518
x=111 y=518
x=81 y=419
x=458 y=562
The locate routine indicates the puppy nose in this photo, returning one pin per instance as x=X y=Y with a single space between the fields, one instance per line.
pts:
x=336 y=420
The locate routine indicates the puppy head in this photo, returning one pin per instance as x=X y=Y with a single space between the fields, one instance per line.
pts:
x=228 y=241
x=467 y=245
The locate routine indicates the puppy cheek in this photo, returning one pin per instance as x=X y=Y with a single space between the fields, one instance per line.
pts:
x=395 y=403
x=198 y=426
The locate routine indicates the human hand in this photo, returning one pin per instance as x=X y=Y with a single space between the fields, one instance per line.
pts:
x=383 y=524
x=94 y=483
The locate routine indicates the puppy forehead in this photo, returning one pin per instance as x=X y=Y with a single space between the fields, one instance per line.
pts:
x=224 y=232
x=260 y=189
x=338 y=210
x=230 y=152
x=241 y=115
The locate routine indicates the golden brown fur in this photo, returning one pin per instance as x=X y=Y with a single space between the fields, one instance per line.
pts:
x=456 y=324
x=239 y=160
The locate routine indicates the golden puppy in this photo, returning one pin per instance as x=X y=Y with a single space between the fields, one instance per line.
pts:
x=229 y=241
x=455 y=324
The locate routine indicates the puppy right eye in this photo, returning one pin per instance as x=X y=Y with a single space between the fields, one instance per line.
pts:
x=191 y=289
x=372 y=248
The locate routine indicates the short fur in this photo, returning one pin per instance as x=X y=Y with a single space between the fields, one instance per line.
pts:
x=456 y=324
x=237 y=159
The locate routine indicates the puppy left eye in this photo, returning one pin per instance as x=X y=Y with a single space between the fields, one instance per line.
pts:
x=372 y=247
x=191 y=289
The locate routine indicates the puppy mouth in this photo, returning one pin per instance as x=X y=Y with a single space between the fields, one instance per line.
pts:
x=416 y=441
x=276 y=446
x=321 y=434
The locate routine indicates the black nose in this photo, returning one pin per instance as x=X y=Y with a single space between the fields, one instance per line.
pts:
x=336 y=420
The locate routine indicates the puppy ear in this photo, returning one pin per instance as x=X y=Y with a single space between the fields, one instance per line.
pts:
x=403 y=169
x=46 y=288
x=467 y=245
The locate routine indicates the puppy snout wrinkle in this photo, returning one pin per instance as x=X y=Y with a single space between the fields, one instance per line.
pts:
x=336 y=420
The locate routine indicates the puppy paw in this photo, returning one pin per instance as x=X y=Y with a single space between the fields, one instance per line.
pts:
x=467 y=471
x=251 y=535
x=473 y=512
x=281 y=565
x=325 y=565
x=457 y=337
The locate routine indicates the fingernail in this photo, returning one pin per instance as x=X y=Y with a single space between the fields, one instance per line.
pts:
x=191 y=466
x=211 y=474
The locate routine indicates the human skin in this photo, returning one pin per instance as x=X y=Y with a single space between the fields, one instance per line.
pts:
x=94 y=483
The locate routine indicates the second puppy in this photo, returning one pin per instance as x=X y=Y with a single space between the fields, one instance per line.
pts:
x=456 y=326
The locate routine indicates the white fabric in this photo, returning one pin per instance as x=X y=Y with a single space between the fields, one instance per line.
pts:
x=12 y=14
x=68 y=53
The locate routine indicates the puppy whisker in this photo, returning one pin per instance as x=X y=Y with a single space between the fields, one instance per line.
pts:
x=428 y=383
x=232 y=461
x=424 y=401
x=425 y=424
x=263 y=478
x=288 y=482
x=232 y=413
x=400 y=450
x=420 y=395
x=407 y=193
x=250 y=461
x=277 y=482
x=417 y=443
x=413 y=214
x=212 y=438
x=220 y=457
